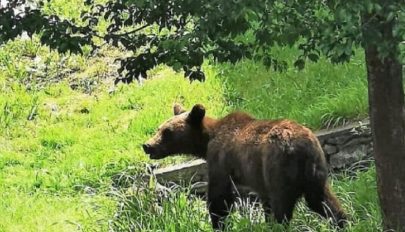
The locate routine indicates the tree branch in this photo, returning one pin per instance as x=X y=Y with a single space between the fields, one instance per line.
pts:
x=133 y=31
x=119 y=35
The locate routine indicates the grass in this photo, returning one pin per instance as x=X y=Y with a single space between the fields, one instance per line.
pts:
x=67 y=136
x=322 y=95
x=61 y=147
x=178 y=211
x=42 y=211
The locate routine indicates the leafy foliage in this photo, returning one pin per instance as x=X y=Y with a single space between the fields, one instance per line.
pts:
x=60 y=34
x=182 y=33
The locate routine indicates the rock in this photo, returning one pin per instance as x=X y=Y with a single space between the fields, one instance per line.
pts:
x=338 y=140
x=330 y=149
x=193 y=171
x=348 y=156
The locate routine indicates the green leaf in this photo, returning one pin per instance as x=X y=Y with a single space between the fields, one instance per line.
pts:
x=300 y=64
x=313 y=57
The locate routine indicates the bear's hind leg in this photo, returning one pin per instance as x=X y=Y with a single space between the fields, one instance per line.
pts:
x=220 y=200
x=282 y=205
x=321 y=200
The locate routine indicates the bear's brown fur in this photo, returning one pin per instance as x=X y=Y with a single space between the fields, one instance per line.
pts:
x=279 y=159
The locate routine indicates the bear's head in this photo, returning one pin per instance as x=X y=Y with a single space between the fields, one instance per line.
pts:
x=181 y=134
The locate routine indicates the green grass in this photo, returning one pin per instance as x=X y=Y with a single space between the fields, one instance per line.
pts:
x=178 y=211
x=66 y=136
x=322 y=95
x=42 y=211
x=59 y=144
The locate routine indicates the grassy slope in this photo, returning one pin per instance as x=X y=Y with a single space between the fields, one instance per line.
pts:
x=321 y=95
x=76 y=142
x=57 y=169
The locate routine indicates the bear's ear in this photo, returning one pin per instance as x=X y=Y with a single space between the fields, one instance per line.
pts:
x=178 y=109
x=197 y=114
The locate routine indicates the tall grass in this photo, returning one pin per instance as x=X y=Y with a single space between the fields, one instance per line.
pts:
x=143 y=208
x=322 y=95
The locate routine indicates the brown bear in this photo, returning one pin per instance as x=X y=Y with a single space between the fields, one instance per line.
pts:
x=279 y=159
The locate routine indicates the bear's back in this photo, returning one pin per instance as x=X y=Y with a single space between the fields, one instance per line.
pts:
x=249 y=148
x=242 y=129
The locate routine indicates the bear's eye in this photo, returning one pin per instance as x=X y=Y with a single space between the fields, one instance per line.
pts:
x=167 y=132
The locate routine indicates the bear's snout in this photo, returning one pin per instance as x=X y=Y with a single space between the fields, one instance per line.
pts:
x=152 y=151
x=147 y=148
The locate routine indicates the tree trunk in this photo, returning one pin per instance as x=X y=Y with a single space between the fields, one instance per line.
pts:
x=387 y=117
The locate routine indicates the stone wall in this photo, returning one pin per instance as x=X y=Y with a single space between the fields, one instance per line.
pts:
x=346 y=145
x=343 y=147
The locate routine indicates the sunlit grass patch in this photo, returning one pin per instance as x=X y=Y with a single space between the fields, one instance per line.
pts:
x=40 y=211
x=321 y=95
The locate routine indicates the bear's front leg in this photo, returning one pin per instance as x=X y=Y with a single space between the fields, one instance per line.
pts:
x=267 y=211
x=220 y=200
